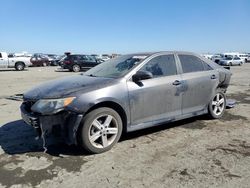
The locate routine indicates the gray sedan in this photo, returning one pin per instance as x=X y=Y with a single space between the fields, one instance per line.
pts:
x=125 y=94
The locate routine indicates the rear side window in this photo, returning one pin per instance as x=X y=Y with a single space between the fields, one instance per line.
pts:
x=191 y=63
x=163 y=65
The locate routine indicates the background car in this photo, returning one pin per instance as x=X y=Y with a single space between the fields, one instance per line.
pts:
x=231 y=60
x=217 y=58
x=76 y=62
x=54 y=59
x=11 y=61
x=248 y=58
x=105 y=57
x=40 y=60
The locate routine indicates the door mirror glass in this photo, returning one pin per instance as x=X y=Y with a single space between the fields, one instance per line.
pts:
x=142 y=75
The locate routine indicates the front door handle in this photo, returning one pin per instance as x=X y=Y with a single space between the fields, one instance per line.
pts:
x=176 y=82
x=213 y=77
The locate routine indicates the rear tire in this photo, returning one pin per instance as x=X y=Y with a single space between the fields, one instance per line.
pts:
x=100 y=130
x=19 y=66
x=217 y=106
x=76 y=68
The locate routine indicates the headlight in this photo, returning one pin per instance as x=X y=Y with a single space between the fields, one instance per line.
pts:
x=51 y=106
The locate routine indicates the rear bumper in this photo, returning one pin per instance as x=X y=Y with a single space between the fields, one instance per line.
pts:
x=63 y=125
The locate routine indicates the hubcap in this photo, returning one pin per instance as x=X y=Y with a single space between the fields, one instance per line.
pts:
x=19 y=67
x=218 y=104
x=76 y=68
x=103 y=131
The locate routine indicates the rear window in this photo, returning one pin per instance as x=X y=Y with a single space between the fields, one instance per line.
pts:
x=191 y=63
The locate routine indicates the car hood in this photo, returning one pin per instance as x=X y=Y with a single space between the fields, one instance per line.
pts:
x=68 y=86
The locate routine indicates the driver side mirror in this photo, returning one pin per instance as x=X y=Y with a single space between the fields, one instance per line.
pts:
x=142 y=75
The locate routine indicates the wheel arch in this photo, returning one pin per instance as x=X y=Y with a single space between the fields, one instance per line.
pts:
x=20 y=62
x=115 y=106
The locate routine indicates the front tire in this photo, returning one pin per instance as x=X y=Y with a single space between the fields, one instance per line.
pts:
x=100 y=130
x=217 y=106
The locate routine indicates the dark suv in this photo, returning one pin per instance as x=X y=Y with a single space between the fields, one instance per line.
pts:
x=77 y=62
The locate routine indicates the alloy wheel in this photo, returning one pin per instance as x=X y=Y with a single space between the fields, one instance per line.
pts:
x=103 y=131
x=218 y=104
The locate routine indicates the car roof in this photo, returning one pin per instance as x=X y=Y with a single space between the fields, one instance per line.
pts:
x=160 y=52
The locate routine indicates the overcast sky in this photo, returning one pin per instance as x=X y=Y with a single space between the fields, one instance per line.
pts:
x=124 y=26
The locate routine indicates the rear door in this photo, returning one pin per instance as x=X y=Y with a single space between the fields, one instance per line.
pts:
x=200 y=82
x=3 y=61
x=156 y=99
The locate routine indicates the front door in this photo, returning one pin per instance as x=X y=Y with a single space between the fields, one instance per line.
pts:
x=157 y=98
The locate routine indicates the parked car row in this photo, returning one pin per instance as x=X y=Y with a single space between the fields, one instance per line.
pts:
x=73 y=62
x=229 y=59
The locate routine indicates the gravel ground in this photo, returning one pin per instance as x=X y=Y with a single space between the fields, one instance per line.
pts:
x=197 y=152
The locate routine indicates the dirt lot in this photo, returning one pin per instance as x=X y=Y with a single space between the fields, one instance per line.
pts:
x=197 y=152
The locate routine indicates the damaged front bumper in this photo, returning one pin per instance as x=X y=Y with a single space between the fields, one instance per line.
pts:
x=63 y=125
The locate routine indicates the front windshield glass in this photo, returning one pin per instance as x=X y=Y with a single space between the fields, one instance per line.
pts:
x=117 y=67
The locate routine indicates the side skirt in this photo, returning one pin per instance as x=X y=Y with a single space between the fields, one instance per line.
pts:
x=165 y=120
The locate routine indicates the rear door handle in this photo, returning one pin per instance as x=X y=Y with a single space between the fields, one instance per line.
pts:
x=176 y=82
x=213 y=77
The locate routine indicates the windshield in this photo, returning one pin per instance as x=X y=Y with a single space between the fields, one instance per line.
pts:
x=115 y=68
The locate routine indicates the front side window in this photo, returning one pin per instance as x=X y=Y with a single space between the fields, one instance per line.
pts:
x=159 y=66
x=191 y=63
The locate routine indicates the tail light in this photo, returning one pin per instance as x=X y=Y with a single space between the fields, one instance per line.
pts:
x=67 y=62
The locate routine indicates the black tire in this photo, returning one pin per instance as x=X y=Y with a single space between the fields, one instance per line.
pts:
x=240 y=64
x=76 y=68
x=230 y=64
x=211 y=109
x=87 y=125
x=19 y=66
